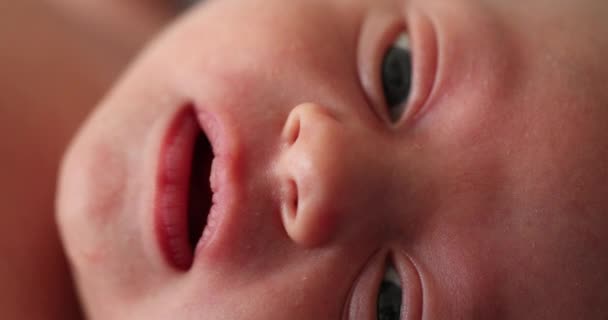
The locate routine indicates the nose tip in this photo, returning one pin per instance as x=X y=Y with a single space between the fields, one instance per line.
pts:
x=319 y=174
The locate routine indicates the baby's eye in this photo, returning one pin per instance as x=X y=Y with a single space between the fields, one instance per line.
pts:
x=397 y=76
x=389 y=296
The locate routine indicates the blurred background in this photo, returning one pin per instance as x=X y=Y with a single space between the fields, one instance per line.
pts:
x=57 y=59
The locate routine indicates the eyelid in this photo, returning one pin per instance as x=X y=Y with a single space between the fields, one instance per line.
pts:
x=378 y=35
x=423 y=43
x=361 y=304
x=362 y=300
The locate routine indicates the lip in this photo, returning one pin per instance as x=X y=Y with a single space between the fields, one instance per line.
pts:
x=172 y=184
x=223 y=182
x=172 y=199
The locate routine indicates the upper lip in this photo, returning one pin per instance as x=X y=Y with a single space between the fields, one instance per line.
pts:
x=222 y=181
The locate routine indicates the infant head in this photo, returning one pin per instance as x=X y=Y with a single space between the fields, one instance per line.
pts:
x=350 y=159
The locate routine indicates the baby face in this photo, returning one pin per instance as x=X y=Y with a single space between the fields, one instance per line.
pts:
x=269 y=159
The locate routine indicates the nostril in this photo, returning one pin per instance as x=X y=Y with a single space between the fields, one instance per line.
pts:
x=294 y=198
x=291 y=200
x=291 y=131
x=314 y=169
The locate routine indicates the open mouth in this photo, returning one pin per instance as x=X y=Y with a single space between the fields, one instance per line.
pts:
x=184 y=196
x=200 y=194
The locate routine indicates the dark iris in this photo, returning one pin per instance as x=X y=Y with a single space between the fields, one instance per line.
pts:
x=389 y=301
x=396 y=78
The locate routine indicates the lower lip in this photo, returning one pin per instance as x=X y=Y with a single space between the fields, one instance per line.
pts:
x=171 y=200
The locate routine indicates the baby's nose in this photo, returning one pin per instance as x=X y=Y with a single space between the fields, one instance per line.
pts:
x=324 y=169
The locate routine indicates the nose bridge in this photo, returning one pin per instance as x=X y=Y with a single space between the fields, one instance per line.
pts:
x=321 y=173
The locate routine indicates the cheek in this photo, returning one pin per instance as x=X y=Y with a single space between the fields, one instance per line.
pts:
x=522 y=197
x=102 y=195
x=89 y=202
x=88 y=207
x=299 y=286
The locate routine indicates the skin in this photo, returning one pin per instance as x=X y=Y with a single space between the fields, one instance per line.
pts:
x=54 y=69
x=488 y=195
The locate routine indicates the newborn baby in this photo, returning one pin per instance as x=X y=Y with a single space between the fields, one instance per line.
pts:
x=350 y=159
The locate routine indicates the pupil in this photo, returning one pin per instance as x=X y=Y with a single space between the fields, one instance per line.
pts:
x=396 y=76
x=389 y=302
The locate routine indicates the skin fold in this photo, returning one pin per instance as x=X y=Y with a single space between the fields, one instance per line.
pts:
x=488 y=195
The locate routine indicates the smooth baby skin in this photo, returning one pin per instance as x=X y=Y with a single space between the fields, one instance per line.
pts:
x=488 y=194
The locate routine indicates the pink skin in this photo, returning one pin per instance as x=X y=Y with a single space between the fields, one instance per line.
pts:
x=488 y=195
